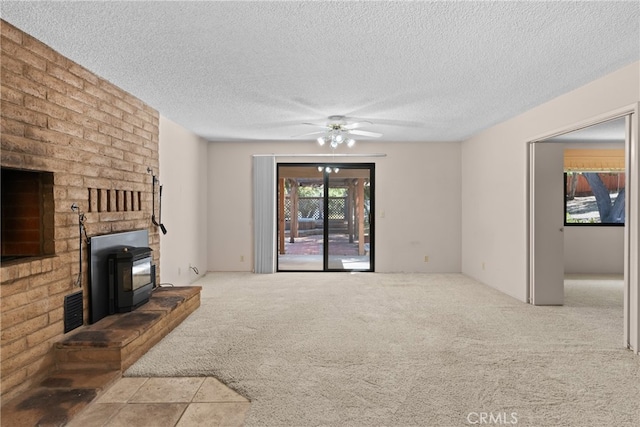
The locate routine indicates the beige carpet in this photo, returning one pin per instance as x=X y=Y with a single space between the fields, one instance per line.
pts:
x=368 y=349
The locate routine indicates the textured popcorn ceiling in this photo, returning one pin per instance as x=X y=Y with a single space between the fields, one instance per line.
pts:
x=419 y=71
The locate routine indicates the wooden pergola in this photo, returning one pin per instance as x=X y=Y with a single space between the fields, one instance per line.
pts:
x=352 y=179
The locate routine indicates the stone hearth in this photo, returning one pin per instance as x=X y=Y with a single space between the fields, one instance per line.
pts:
x=90 y=359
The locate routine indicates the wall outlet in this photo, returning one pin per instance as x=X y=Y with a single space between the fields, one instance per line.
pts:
x=241 y=258
x=483 y=265
x=426 y=258
x=179 y=271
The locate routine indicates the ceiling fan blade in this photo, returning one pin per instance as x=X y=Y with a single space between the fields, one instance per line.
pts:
x=365 y=133
x=385 y=122
x=355 y=125
x=307 y=134
x=320 y=125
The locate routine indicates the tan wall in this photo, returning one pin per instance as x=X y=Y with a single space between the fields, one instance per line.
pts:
x=494 y=216
x=183 y=161
x=417 y=210
x=61 y=118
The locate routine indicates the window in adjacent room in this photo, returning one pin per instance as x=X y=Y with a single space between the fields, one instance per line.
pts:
x=594 y=187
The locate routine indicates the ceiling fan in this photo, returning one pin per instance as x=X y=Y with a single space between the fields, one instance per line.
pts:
x=338 y=130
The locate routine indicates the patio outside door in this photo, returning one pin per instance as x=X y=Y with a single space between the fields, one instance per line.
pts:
x=324 y=220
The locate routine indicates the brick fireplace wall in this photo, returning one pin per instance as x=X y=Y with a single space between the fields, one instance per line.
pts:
x=98 y=141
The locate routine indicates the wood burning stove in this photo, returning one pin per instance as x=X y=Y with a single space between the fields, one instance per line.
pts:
x=131 y=278
x=120 y=280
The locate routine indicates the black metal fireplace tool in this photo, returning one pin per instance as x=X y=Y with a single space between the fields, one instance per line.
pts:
x=81 y=230
x=157 y=223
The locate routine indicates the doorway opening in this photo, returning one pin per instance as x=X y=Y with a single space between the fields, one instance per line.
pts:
x=324 y=217
x=579 y=248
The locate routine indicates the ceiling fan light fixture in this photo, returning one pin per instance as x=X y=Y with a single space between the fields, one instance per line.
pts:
x=339 y=131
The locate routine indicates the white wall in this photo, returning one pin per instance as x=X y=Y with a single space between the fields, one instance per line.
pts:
x=594 y=250
x=417 y=188
x=494 y=178
x=183 y=175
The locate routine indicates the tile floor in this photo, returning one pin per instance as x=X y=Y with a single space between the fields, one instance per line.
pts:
x=171 y=402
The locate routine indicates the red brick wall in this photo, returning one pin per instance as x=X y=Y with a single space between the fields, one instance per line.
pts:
x=98 y=141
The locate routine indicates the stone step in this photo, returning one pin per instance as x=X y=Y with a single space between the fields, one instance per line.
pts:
x=117 y=341
x=57 y=399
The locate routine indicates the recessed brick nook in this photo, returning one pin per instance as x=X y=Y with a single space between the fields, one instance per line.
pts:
x=26 y=214
x=69 y=137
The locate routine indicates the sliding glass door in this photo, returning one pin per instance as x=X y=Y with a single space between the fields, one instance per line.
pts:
x=300 y=218
x=324 y=217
